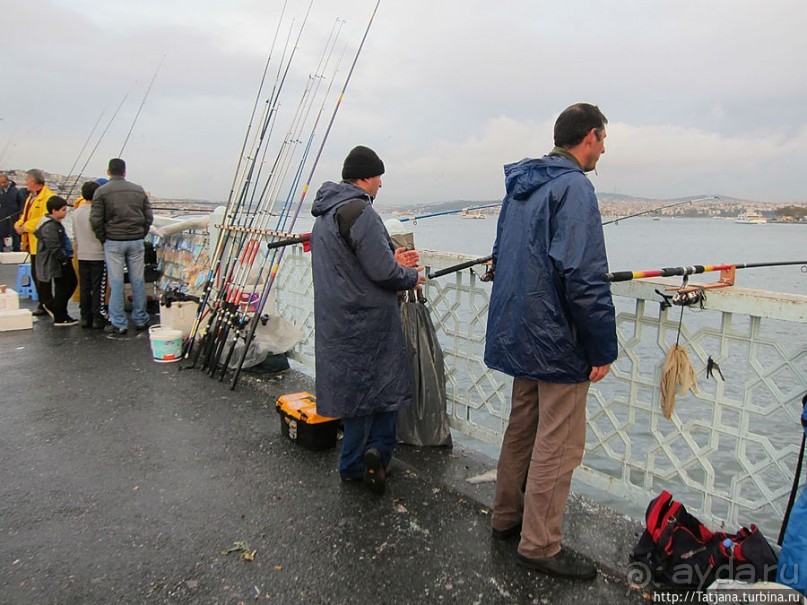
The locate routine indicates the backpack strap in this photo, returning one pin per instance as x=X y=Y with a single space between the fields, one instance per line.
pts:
x=659 y=514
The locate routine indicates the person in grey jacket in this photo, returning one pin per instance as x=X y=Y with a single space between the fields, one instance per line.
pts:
x=362 y=373
x=120 y=218
x=91 y=267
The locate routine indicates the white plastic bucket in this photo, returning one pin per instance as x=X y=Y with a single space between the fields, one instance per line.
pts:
x=166 y=344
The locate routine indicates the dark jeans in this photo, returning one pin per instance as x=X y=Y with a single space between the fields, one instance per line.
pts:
x=43 y=289
x=362 y=433
x=91 y=277
x=64 y=288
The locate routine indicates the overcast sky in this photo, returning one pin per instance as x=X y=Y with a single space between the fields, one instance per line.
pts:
x=702 y=97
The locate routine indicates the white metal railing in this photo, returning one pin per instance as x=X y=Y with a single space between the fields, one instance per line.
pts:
x=728 y=452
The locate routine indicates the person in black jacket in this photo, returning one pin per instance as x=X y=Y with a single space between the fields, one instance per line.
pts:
x=54 y=260
x=120 y=218
x=11 y=201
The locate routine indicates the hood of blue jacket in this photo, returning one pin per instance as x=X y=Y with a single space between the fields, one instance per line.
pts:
x=522 y=179
x=332 y=195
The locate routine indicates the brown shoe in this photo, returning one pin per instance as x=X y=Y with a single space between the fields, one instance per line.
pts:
x=564 y=564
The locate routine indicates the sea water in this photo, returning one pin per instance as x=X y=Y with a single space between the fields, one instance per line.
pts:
x=642 y=243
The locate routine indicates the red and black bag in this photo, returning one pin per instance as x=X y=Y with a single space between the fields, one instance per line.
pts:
x=682 y=552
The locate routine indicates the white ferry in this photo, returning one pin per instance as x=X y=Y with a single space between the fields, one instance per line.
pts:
x=751 y=218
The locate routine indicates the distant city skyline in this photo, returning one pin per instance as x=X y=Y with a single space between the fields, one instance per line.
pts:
x=701 y=97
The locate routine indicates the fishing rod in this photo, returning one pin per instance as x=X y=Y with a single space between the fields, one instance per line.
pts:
x=142 y=103
x=237 y=319
x=97 y=143
x=83 y=147
x=267 y=288
x=444 y=212
x=616 y=276
x=460 y=266
x=652 y=210
x=11 y=140
x=234 y=201
x=256 y=103
x=485 y=259
x=243 y=257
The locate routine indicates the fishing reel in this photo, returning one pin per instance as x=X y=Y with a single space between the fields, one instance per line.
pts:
x=173 y=295
x=682 y=298
x=688 y=298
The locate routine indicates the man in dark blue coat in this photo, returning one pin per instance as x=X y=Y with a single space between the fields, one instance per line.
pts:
x=11 y=202
x=551 y=325
x=362 y=374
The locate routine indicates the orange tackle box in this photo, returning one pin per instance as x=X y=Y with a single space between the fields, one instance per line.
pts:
x=300 y=422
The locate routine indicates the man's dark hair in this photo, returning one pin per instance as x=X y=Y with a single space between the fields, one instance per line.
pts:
x=55 y=203
x=117 y=167
x=576 y=122
x=88 y=190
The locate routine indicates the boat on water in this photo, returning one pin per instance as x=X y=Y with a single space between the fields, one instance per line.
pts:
x=751 y=218
x=472 y=215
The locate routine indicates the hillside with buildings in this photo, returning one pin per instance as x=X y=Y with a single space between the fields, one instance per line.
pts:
x=612 y=205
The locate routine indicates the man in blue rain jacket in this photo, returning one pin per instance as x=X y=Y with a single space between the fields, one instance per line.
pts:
x=551 y=326
x=362 y=374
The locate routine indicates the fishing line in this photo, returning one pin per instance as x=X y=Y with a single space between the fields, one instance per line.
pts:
x=142 y=103
x=83 y=147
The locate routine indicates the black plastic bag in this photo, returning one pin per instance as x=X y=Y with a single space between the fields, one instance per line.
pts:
x=426 y=421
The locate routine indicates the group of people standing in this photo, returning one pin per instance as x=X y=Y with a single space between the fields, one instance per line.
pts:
x=110 y=221
x=551 y=322
x=551 y=326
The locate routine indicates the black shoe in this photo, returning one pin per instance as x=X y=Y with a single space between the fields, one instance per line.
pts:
x=565 y=564
x=86 y=323
x=99 y=323
x=142 y=328
x=66 y=322
x=506 y=534
x=39 y=311
x=117 y=331
x=375 y=477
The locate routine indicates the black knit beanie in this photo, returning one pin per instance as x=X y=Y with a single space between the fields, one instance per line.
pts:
x=362 y=163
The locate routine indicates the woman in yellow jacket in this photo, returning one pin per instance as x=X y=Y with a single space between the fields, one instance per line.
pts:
x=31 y=215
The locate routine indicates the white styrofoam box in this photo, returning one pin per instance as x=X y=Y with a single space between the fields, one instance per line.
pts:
x=19 y=319
x=9 y=301
x=179 y=316
x=13 y=258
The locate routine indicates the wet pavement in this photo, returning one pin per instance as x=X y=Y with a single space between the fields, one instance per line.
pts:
x=126 y=480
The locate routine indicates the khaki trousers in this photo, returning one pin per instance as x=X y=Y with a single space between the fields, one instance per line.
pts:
x=543 y=444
